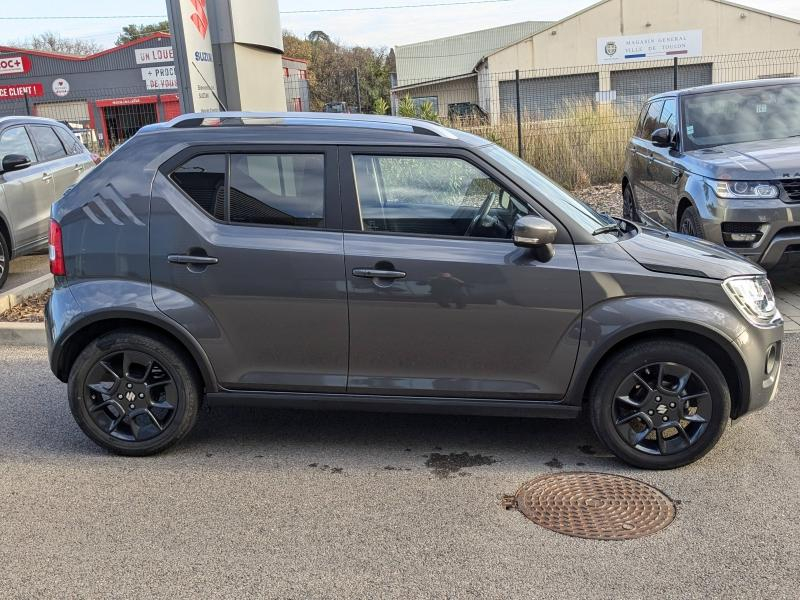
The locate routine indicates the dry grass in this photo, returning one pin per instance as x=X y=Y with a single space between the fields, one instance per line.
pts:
x=584 y=146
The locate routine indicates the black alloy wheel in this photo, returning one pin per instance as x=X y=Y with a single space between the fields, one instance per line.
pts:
x=659 y=404
x=662 y=408
x=130 y=396
x=134 y=393
x=629 y=211
x=690 y=223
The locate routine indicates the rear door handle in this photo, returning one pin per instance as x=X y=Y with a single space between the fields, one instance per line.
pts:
x=378 y=274
x=79 y=168
x=188 y=259
x=46 y=177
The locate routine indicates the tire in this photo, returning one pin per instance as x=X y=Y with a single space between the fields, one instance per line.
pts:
x=690 y=223
x=665 y=447
x=145 y=395
x=5 y=259
x=629 y=210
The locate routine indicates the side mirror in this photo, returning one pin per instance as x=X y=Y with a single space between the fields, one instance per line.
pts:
x=15 y=162
x=662 y=137
x=536 y=233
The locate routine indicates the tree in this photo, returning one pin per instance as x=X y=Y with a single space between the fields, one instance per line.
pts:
x=50 y=41
x=318 y=36
x=134 y=32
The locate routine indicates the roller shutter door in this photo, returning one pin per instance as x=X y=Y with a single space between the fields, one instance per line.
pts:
x=637 y=85
x=547 y=97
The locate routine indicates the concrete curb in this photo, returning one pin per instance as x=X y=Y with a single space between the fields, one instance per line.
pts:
x=16 y=295
x=22 y=334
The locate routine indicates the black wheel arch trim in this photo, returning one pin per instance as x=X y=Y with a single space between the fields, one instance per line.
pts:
x=588 y=365
x=121 y=318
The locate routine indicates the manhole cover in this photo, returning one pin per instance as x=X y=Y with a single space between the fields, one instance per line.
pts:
x=595 y=506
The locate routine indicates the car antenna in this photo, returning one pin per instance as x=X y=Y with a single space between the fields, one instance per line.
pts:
x=210 y=89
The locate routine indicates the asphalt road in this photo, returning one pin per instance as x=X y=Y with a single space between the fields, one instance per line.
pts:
x=25 y=269
x=283 y=504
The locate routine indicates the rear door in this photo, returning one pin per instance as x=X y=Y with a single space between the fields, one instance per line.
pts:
x=28 y=192
x=246 y=253
x=442 y=303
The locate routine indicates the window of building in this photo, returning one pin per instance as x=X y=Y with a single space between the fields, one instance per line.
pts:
x=303 y=74
x=16 y=141
x=203 y=179
x=433 y=196
x=298 y=104
x=46 y=140
x=286 y=72
x=278 y=189
x=422 y=100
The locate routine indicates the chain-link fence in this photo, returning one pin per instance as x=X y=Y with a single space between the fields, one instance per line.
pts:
x=574 y=123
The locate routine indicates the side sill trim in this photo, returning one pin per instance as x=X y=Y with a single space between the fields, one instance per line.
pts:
x=409 y=404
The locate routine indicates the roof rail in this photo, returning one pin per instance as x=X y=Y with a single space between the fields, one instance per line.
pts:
x=233 y=119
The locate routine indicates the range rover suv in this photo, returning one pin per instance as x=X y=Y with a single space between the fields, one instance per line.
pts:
x=721 y=162
x=355 y=262
x=39 y=159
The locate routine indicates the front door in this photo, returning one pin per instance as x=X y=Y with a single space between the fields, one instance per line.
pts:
x=442 y=303
x=644 y=186
x=246 y=254
x=29 y=192
x=665 y=174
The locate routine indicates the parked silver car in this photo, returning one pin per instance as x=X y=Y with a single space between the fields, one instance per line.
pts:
x=39 y=160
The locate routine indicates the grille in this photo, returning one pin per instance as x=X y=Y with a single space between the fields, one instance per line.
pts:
x=741 y=227
x=792 y=189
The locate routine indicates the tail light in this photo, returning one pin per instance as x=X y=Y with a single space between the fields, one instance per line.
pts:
x=96 y=158
x=56 y=250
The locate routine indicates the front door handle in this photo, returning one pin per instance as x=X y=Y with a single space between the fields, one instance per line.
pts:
x=46 y=177
x=189 y=259
x=79 y=168
x=378 y=274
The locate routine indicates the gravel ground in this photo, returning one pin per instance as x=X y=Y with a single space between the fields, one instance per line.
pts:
x=282 y=504
x=604 y=198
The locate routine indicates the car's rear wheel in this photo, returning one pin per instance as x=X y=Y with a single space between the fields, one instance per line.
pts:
x=134 y=393
x=690 y=223
x=5 y=259
x=660 y=404
x=629 y=205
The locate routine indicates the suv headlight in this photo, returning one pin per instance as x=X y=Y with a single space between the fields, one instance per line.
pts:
x=745 y=189
x=753 y=296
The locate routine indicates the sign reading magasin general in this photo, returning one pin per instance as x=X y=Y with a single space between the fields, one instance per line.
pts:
x=650 y=46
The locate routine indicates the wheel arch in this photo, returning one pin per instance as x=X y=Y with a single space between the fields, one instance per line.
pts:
x=684 y=203
x=82 y=333
x=713 y=344
x=5 y=230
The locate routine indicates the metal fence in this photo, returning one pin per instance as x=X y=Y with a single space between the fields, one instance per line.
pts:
x=574 y=123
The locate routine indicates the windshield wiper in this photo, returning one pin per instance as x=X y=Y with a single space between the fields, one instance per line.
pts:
x=615 y=228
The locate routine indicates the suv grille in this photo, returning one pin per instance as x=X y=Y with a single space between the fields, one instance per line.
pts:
x=792 y=188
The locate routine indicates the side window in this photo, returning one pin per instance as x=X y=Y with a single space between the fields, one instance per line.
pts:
x=642 y=118
x=47 y=142
x=433 y=196
x=278 y=189
x=669 y=115
x=16 y=141
x=202 y=178
x=652 y=119
x=69 y=141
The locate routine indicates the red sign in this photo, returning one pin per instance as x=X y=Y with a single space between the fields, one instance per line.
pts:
x=10 y=65
x=18 y=92
x=128 y=101
x=200 y=18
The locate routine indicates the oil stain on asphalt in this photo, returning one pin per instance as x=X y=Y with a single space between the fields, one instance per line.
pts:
x=445 y=465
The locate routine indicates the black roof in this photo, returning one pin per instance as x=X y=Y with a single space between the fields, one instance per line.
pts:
x=735 y=85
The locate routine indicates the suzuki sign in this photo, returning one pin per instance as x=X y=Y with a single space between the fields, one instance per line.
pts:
x=194 y=57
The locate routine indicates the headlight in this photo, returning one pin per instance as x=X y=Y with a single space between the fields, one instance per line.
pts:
x=753 y=296
x=744 y=189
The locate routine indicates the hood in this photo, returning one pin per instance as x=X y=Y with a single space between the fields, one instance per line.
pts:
x=667 y=252
x=764 y=159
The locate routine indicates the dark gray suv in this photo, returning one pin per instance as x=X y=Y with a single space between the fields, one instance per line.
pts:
x=721 y=162
x=354 y=262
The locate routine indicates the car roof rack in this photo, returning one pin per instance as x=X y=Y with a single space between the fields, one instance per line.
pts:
x=238 y=119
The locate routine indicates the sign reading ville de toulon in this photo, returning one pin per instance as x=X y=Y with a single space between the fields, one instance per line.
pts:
x=650 y=46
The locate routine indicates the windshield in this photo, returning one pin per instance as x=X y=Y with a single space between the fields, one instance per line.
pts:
x=744 y=115
x=583 y=215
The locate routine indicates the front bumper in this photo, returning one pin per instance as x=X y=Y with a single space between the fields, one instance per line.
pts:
x=761 y=349
x=779 y=224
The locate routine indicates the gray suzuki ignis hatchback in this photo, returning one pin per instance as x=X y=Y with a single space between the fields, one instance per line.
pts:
x=359 y=262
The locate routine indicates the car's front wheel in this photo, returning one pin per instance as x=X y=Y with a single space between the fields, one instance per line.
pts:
x=5 y=259
x=660 y=404
x=134 y=393
x=690 y=223
x=629 y=205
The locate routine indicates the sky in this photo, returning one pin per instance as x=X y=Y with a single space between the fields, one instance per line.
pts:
x=379 y=28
